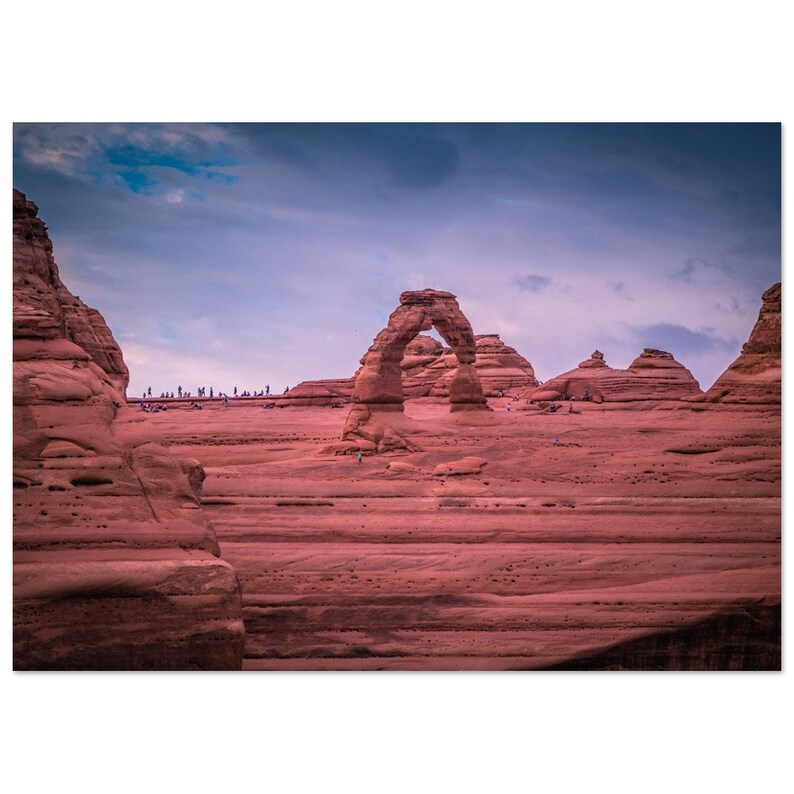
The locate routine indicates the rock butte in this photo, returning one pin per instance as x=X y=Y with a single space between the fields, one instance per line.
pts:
x=654 y=375
x=115 y=564
x=648 y=538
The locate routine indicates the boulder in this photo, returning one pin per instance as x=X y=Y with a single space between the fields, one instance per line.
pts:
x=460 y=468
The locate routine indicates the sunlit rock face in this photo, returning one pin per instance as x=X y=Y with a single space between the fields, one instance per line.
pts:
x=115 y=565
x=755 y=376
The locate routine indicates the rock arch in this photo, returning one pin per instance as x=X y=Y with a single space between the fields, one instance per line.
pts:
x=379 y=382
x=378 y=390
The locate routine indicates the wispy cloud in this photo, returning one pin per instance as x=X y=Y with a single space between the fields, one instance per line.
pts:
x=679 y=339
x=692 y=266
x=619 y=288
x=531 y=282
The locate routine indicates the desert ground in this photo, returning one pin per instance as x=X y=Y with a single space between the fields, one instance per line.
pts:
x=649 y=537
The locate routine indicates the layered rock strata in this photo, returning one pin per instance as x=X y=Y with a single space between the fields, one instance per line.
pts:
x=653 y=375
x=319 y=392
x=755 y=376
x=115 y=565
x=500 y=368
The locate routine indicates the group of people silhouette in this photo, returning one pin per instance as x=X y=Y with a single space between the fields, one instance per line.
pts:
x=201 y=391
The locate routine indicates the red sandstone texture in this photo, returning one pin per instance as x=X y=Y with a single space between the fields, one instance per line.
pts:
x=654 y=375
x=427 y=368
x=756 y=375
x=115 y=565
x=647 y=539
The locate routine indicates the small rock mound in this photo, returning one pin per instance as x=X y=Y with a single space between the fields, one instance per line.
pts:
x=460 y=468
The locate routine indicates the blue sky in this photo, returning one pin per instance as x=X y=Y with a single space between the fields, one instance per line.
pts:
x=253 y=254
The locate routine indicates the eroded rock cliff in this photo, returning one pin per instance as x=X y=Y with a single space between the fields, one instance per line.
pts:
x=115 y=565
x=755 y=376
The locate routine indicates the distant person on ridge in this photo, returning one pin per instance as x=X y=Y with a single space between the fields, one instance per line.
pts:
x=267 y=390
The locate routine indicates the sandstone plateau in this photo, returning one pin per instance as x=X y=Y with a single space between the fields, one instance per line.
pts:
x=116 y=566
x=641 y=532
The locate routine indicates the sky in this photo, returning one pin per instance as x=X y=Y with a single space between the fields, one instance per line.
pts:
x=249 y=255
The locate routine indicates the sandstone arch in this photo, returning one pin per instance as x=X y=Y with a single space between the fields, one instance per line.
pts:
x=379 y=382
x=378 y=388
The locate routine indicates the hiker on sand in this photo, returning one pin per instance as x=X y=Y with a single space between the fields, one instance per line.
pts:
x=556 y=442
x=359 y=457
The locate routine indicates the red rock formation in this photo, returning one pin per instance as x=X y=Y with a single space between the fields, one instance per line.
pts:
x=320 y=392
x=639 y=541
x=427 y=369
x=654 y=375
x=379 y=384
x=45 y=309
x=115 y=565
x=755 y=376
x=420 y=368
x=499 y=367
x=379 y=381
